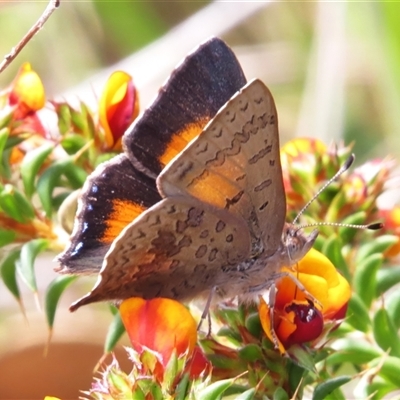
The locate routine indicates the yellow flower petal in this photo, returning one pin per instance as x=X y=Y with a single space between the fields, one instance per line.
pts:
x=27 y=89
x=297 y=147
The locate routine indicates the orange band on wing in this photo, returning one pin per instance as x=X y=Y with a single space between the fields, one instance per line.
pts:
x=181 y=139
x=123 y=213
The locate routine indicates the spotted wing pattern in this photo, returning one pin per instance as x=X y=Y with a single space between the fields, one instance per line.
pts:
x=179 y=248
x=235 y=165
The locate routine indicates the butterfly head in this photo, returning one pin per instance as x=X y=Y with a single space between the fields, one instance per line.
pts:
x=296 y=243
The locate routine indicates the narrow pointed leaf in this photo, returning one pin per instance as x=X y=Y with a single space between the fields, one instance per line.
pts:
x=26 y=263
x=364 y=281
x=7 y=236
x=215 y=390
x=378 y=245
x=347 y=234
x=332 y=248
x=354 y=351
x=4 y=132
x=393 y=308
x=385 y=333
x=114 y=333
x=324 y=389
x=181 y=391
x=389 y=369
x=247 y=395
x=7 y=270
x=15 y=205
x=387 y=278
x=53 y=293
x=75 y=175
x=47 y=182
x=30 y=166
x=357 y=314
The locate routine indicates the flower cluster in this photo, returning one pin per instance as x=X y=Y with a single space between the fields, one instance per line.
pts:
x=42 y=164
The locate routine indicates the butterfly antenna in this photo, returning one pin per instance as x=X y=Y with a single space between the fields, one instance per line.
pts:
x=372 y=227
x=342 y=169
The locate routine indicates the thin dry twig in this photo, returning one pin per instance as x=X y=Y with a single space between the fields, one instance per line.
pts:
x=51 y=7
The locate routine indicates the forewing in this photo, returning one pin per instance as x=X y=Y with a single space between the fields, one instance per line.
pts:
x=201 y=84
x=235 y=165
x=179 y=249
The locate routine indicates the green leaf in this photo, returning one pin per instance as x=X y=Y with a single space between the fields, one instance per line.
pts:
x=247 y=395
x=357 y=314
x=182 y=388
x=379 y=390
x=31 y=164
x=250 y=353
x=216 y=389
x=332 y=248
x=356 y=352
x=385 y=333
x=15 y=204
x=364 y=281
x=387 y=278
x=53 y=293
x=7 y=270
x=72 y=143
x=48 y=181
x=26 y=263
x=324 y=389
x=114 y=333
x=389 y=369
x=7 y=236
x=64 y=118
x=253 y=324
x=280 y=394
x=4 y=132
x=378 y=245
x=302 y=357
x=75 y=175
x=393 y=307
x=347 y=234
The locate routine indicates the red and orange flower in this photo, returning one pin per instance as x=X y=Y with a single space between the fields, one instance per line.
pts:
x=166 y=328
x=296 y=318
x=118 y=108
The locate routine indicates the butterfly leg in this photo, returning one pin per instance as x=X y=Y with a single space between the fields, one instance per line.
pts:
x=206 y=312
x=271 y=304
x=299 y=285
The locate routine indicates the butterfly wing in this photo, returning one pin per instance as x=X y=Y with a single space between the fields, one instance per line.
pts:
x=235 y=165
x=179 y=248
x=205 y=80
x=105 y=207
x=120 y=189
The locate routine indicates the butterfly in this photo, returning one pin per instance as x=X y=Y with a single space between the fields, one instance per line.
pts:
x=196 y=204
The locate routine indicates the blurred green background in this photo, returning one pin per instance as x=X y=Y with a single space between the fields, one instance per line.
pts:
x=333 y=68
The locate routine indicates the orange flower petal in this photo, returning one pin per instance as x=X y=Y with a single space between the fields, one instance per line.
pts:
x=159 y=324
x=264 y=312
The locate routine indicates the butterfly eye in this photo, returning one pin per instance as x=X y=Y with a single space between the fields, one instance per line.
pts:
x=293 y=247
